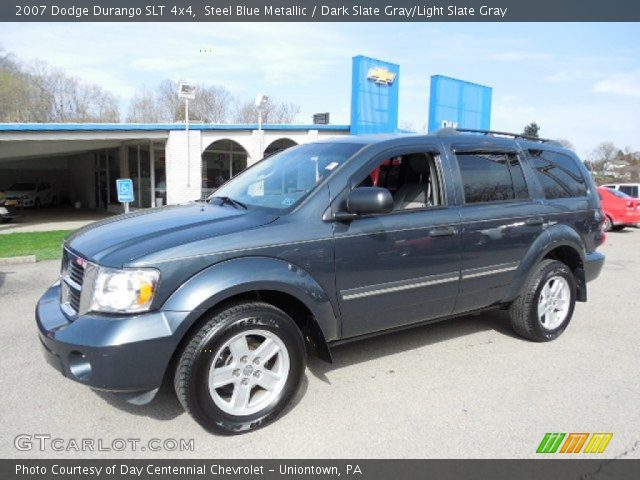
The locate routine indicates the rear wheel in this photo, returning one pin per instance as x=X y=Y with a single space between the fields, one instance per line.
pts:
x=544 y=309
x=241 y=369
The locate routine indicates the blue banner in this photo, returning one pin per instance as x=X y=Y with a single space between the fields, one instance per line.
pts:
x=458 y=104
x=374 y=96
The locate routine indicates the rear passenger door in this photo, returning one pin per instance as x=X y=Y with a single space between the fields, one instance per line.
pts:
x=499 y=221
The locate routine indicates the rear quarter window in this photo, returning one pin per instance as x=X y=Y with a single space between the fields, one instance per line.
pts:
x=559 y=174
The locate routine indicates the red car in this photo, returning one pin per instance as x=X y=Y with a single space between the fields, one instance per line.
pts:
x=620 y=209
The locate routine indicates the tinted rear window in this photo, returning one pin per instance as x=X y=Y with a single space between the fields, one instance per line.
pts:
x=629 y=190
x=620 y=194
x=559 y=174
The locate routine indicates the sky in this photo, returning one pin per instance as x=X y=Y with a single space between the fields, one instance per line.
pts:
x=578 y=81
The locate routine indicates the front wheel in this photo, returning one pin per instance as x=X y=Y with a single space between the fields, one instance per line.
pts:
x=544 y=309
x=241 y=368
x=608 y=223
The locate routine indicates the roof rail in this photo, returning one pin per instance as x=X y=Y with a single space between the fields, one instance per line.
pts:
x=507 y=134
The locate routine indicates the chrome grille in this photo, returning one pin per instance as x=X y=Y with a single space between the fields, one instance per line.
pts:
x=73 y=270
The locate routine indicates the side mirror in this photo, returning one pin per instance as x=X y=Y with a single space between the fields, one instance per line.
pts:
x=366 y=201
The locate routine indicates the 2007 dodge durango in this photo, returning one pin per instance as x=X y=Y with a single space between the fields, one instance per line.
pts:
x=320 y=244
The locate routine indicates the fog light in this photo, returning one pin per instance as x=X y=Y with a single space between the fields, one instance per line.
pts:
x=79 y=366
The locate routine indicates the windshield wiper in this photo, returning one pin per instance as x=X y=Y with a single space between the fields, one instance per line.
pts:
x=232 y=202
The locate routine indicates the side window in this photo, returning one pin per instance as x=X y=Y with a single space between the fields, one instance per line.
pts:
x=491 y=177
x=559 y=174
x=413 y=180
x=629 y=190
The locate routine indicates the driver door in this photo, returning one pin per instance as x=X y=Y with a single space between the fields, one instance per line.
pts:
x=402 y=267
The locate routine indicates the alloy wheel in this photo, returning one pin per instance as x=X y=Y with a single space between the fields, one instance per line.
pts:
x=554 y=302
x=249 y=372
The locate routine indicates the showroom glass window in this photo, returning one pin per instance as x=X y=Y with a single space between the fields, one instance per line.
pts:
x=491 y=177
x=559 y=174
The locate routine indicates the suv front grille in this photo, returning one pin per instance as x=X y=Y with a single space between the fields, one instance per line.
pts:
x=72 y=276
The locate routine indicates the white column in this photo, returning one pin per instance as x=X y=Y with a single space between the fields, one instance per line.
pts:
x=152 y=173
x=254 y=148
x=177 y=167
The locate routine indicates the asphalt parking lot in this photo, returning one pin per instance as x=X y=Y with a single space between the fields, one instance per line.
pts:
x=463 y=388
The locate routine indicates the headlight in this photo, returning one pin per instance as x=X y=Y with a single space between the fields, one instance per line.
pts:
x=124 y=291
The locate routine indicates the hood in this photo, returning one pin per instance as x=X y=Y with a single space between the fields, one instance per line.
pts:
x=119 y=240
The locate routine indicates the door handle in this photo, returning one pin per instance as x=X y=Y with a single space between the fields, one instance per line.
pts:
x=534 y=221
x=442 y=232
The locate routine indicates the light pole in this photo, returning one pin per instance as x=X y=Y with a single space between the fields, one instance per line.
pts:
x=188 y=92
x=261 y=101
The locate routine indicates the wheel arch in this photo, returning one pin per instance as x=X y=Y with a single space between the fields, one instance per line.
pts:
x=274 y=281
x=559 y=242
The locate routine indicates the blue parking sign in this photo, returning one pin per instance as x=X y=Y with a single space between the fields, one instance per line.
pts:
x=125 y=190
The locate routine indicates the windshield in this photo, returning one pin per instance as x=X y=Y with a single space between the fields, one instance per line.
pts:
x=281 y=182
x=22 y=186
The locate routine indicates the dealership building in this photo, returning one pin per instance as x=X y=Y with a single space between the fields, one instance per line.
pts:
x=169 y=164
x=82 y=161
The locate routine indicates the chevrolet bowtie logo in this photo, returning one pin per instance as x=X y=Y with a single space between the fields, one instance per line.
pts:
x=381 y=75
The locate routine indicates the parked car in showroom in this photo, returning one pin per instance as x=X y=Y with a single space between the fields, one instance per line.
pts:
x=30 y=195
x=318 y=245
x=620 y=209
x=631 y=189
x=7 y=211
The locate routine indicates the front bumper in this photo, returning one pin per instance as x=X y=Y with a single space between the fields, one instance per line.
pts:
x=7 y=211
x=593 y=265
x=129 y=353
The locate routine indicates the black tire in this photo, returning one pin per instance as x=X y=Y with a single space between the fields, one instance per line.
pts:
x=192 y=370
x=618 y=228
x=524 y=310
x=36 y=204
x=608 y=223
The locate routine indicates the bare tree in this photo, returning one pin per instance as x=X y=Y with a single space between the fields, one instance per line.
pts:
x=40 y=93
x=272 y=112
x=211 y=105
x=565 y=143
x=145 y=107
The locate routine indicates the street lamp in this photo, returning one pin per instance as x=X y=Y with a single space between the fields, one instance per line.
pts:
x=188 y=92
x=261 y=102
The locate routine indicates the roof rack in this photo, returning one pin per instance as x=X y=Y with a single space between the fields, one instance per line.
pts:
x=506 y=134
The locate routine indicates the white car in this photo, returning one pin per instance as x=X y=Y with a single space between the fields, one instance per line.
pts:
x=631 y=189
x=38 y=194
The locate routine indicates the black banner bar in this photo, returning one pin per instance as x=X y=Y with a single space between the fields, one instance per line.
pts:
x=320 y=11
x=119 y=469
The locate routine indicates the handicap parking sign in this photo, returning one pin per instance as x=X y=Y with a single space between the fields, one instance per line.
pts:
x=125 y=190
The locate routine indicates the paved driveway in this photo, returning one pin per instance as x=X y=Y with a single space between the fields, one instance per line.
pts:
x=463 y=388
x=48 y=219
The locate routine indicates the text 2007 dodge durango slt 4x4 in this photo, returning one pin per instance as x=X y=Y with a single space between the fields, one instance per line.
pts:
x=322 y=243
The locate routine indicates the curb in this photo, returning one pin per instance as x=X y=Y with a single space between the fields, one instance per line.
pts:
x=17 y=260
